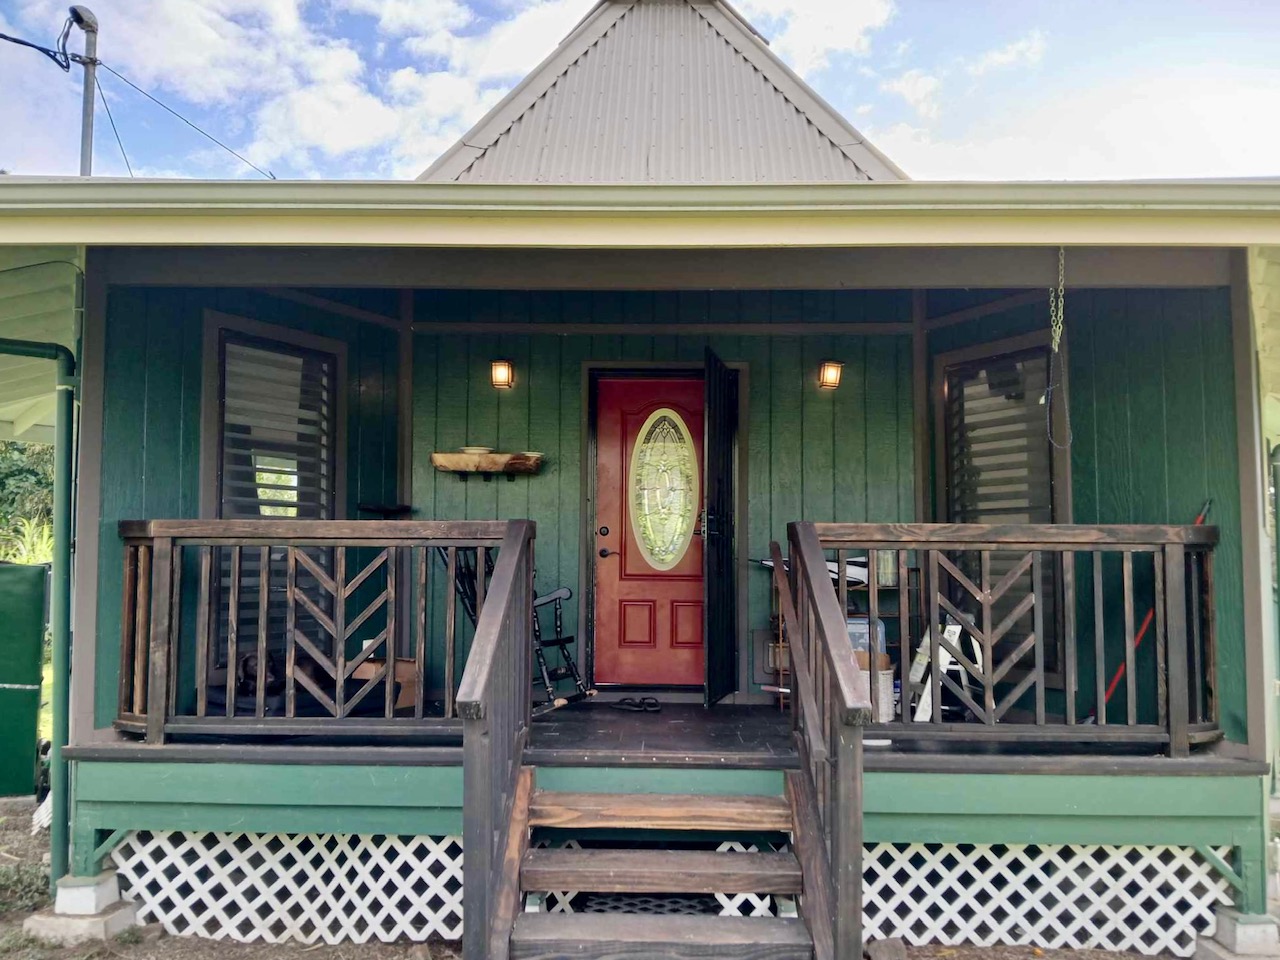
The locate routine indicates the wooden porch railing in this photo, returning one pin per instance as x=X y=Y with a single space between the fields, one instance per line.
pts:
x=295 y=627
x=1064 y=633
x=495 y=702
x=829 y=711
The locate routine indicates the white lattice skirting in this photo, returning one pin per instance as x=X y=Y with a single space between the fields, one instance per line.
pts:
x=335 y=887
x=304 y=887
x=1145 y=899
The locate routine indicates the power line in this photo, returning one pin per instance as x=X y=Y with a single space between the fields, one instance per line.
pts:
x=266 y=173
x=120 y=143
x=58 y=56
x=63 y=59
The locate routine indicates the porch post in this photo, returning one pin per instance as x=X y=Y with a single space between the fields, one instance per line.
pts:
x=1258 y=615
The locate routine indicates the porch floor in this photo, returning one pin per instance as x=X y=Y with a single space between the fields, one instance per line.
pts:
x=595 y=733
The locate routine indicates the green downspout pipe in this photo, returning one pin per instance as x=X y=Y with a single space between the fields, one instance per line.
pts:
x=60 y=602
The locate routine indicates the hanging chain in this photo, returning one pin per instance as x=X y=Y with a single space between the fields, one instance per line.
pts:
x=1056 y=318
x=1057 y=327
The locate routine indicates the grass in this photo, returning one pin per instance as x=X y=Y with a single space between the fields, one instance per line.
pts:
x=45 y=730
x=24 y=888
x=16 y=945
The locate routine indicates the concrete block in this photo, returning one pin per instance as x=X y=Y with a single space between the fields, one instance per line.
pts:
x=71 y=930
x=1248 y=934
x=86 y=896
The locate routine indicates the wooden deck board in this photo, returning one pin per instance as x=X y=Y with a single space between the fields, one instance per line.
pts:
x=595 y=734
x=660 y=871
x=547 y=935
x=650 y=811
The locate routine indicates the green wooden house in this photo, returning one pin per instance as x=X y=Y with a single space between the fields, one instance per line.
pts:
x=871 y=513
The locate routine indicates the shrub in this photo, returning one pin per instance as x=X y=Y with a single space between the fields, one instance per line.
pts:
x=30 y=542
x=24 y=888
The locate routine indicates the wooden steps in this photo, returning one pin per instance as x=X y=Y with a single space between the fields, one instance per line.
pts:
x=659 y=811
x=660 y=871
x=644 y=868
x=544 y=936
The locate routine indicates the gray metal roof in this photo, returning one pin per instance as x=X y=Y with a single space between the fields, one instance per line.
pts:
x=662 y=91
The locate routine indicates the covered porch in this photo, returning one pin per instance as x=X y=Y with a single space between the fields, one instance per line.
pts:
x=359 y=630
x=397 y=698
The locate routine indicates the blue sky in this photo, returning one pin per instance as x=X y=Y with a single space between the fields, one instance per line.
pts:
x=1074 y=89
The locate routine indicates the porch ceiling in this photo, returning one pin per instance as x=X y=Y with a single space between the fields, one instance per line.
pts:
x=62 y=210
x=38 y=289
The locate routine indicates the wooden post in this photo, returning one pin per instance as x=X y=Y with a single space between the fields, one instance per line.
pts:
x=1069 y=632
x=1175 y=591
x=846 y=854
x=204 y=627
x=158 y=674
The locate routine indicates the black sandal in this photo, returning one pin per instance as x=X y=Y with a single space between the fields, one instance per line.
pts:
x=637 y=705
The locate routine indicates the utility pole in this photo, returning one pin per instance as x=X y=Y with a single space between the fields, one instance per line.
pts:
x=83 y=18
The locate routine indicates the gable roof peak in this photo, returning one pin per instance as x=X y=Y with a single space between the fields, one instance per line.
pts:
x=662 y=91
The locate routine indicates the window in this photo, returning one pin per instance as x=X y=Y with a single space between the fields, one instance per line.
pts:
x=664 y=489
x=272 y=449
x=277 y=427
x=997 y=465
x=999 y=460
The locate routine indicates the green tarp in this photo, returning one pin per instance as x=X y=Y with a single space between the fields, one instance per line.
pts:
x=22 y=623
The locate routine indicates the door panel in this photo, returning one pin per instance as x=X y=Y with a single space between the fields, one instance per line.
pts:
x=721 y=401
x=649 y=583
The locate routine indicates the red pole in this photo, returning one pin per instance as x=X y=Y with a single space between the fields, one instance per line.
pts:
x=1146 y=621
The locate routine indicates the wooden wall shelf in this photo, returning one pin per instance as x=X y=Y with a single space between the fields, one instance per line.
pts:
x=487 y=465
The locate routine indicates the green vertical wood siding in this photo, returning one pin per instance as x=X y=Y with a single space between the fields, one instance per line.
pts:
x=812 y=454
x=153 y=380
x=1151 y=386
x=1153 y=407
x=1150 y=380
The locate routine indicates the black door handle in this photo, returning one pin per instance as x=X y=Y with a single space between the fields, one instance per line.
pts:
x=605 y=552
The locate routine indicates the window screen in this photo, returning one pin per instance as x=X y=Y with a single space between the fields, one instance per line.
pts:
x=277 y=431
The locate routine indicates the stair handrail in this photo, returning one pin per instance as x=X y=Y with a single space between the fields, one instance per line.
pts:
x=853 y=703
x=801 y=680
x=830 y=705
x=495 y=701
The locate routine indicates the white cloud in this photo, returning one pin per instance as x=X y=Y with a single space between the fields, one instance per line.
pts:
x=433 y=110
x=510 y=48
x=412 y=17
x=919 y=89
x=1177 y=122
x=39 y=112
x=1026 y=51
x=261 y=67
x=806 y=33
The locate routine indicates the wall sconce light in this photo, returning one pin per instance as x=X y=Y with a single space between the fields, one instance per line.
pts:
x=502 y=374
x=829 y=374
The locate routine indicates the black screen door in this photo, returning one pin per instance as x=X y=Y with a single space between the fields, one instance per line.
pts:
x=721 y=618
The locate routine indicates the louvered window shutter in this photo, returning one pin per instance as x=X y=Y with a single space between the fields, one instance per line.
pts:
x=277 y=425
x=1000 y=470
x=277 y=456
x=999 y=460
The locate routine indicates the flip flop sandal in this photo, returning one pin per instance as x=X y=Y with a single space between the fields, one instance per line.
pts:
x=630 y=704
x=634 y=705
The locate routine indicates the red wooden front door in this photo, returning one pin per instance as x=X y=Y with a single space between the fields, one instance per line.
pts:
x=648 y=555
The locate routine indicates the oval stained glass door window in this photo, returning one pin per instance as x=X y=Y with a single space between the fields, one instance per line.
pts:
x=662 y=488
